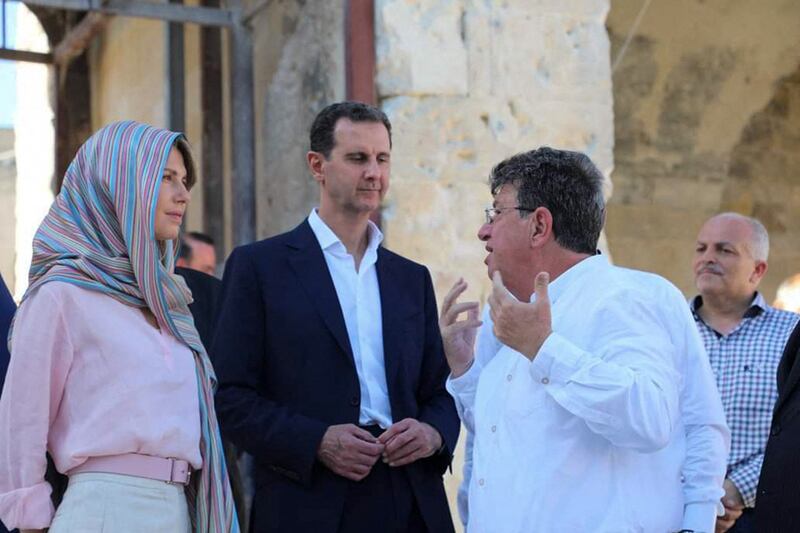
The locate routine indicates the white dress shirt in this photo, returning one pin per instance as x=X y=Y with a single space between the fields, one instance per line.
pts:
x=616 y=426
x=360 y=300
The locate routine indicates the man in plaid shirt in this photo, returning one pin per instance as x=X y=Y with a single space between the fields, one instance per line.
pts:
x=744 y=338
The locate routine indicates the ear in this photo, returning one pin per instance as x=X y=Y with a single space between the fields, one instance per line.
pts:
x=759 y=271
x=540 y=227
x=315 y=161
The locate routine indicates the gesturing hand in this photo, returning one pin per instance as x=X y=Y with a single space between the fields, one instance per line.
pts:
x=349 y=451
x=409 y=440
x=458 y=336
x=521 y=326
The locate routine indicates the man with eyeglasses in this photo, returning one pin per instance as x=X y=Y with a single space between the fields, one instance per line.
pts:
x=589 y=401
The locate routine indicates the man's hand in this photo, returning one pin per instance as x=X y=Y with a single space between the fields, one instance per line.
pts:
x=521 y=326
x=409 y=440
x=458 y=336
x=734 y=505
x=349 y=451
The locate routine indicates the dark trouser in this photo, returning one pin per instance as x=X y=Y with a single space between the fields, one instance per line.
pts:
x=745 y=523
x=383 y=501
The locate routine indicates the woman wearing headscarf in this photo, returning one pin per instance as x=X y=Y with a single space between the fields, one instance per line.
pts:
x=107 y=371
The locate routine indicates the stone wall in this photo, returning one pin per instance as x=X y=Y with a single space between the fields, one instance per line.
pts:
x=707 y=119
x=299 y=69
x=466 y=84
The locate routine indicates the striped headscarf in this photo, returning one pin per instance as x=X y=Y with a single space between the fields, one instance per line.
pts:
x=100 y=234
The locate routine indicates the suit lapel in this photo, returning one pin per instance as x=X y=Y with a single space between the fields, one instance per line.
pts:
x=789 y=369
x=393 y=311
x=308 y=263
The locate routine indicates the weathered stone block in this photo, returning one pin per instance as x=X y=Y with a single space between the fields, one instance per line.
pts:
x=420 y=47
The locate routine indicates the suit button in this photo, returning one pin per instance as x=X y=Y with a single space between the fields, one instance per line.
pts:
x=775 y=430
x=354 y=401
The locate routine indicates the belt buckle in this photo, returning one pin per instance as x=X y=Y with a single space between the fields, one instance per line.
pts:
x=172 y=480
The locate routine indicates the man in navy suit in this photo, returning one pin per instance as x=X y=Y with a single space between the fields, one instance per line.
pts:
x=7 y=309
x=329 y=358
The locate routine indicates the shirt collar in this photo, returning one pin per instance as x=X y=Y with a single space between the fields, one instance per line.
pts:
x=576 y=271
x=757 y=306
x=328 y=239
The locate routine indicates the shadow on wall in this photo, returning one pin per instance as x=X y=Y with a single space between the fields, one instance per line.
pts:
x=765 y=176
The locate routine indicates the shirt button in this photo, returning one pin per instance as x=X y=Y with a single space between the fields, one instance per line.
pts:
x=494 y=428
x=545 y=381
x=509 y=377
x=480 y=482
x=354 y=401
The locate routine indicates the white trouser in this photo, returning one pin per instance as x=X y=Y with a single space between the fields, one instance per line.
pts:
x=100 y=503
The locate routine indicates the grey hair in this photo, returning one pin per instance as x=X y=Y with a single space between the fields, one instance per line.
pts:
x=759 y=238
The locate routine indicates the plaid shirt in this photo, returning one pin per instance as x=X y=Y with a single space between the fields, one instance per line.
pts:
x=745 y=365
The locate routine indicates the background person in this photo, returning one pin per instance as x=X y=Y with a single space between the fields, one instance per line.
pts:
x=198 y=253
x=744 y=338
x=7 y=308
x=778 y=509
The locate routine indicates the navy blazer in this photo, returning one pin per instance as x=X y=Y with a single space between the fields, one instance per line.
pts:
x=286 y=372
x=205 y=299
x=7 y=309
x=777 y=499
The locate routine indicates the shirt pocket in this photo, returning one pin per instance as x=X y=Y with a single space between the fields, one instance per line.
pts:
x=756 y=389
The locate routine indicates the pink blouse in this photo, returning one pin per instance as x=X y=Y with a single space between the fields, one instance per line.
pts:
x=89 y=376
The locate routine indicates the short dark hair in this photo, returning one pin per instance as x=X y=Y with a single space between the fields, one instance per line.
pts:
x=200 y=236
x=567 y=183
x=184 y=250
x=321 y=134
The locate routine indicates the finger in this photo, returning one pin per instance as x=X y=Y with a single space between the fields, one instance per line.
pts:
x=455 y=291
x=465 y=324
x=356 y=473
x=397 y=442
x=406 y=455
x=452 y=314
x=367 y=448
x=361 y=433
x=393 y=430
x=540 y=287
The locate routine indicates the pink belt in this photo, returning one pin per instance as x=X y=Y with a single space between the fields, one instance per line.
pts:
x=171 y=471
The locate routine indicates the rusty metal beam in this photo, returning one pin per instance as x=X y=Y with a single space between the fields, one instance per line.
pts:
x=206 y=16
x=24 y=55
x=79 y=38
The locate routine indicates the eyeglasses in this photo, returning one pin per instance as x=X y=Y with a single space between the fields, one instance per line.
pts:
x=492 y=212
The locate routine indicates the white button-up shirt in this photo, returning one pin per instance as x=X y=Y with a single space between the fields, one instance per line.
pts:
x=615 y=426
x=360 y=300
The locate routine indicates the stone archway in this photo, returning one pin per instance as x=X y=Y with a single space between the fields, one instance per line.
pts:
x=764 y=177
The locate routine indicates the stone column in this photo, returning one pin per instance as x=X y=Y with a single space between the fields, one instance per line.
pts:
x=468 y=83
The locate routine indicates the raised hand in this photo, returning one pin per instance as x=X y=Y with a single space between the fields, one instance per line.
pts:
x=349 y=451
x=458 y=335
x=519 y=325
